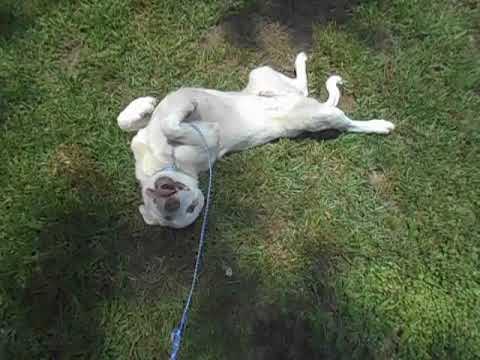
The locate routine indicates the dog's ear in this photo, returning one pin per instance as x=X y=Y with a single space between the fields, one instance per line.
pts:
x=181 y=186
x=151 y=192
x=147 y=217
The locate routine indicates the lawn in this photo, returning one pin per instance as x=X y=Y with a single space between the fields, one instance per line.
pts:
x=358 y=247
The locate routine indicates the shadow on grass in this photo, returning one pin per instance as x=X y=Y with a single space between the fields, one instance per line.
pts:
x=246 y=319
x=273 y=332
x=244 y=322
x=83 y=256
x=12 y=21
x=233 y=307
x=55 y=310
x=86 y=255
x=16 y=17
x=297 y=16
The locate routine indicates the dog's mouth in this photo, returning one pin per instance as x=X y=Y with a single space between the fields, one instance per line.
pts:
x=164 y=194
x=166 y=190
x=166 y=187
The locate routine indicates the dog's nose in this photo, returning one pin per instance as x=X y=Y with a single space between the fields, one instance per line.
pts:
x=172 y=204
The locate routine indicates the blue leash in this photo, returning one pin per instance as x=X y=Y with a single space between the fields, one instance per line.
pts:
x=178 y=332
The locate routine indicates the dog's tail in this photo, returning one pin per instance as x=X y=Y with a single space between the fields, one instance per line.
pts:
x=137 y=114
x=333 y=90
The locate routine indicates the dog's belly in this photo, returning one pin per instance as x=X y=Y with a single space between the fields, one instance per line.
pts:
x=245 y=120
x=241 y=121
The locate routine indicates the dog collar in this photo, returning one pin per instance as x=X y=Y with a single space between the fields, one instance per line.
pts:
x=171 y=167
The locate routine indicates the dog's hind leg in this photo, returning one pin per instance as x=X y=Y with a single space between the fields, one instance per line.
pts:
x=137 y=114
x=301 y=82
x=371 y=126
x=264 y=81
x=366 y=126
x=328 y=117
x=333 y=90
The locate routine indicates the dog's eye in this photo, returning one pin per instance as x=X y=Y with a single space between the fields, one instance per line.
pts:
x=192 y=207
x=180 y=186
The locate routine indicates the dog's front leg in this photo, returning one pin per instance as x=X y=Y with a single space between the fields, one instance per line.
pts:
x=137 y=114
x=170 y=122
x=175 y=120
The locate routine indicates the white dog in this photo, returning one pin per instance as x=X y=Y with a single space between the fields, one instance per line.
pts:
x=170 y=153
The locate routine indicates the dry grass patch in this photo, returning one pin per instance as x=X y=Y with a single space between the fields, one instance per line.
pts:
x=73 y=162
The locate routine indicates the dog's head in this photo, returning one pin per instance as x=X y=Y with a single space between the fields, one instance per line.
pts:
x=171 y=198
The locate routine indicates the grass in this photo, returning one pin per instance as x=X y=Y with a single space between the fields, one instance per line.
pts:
x=361 y=247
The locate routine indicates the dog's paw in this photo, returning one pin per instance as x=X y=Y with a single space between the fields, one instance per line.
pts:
x=302 y=57
x=381 y=126
x=335 y=80
x=135 y=115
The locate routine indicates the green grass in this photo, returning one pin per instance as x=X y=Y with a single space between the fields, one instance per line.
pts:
x=362 y=247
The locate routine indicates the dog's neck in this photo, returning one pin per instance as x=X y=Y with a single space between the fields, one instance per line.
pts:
x=173 y=166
